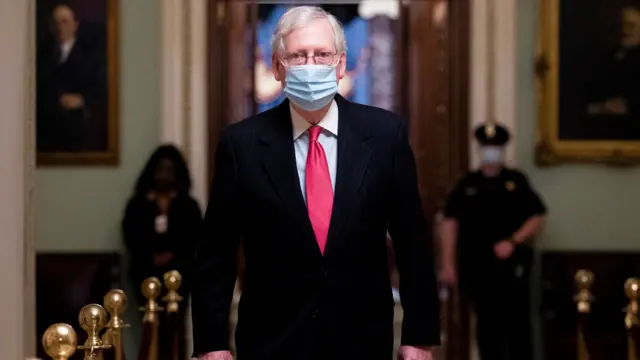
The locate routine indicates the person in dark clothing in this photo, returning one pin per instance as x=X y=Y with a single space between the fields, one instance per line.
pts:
x=71 y=95
x=162 y=221
x=491 y=217
x=309 y=190
x=161 y=226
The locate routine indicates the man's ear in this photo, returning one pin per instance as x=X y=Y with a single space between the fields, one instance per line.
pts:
x=277 y=68
x=341 y=68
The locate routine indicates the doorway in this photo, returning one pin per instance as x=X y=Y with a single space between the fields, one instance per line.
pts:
x=411 y=57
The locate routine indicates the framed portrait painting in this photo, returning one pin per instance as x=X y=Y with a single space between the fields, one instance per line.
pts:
x=77 y=82
x=588 y=72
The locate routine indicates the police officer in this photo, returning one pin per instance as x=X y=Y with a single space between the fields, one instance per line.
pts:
x=490 y=219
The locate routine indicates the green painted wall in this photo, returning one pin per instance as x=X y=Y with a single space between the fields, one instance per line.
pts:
x=79 y=209
x=591 y=207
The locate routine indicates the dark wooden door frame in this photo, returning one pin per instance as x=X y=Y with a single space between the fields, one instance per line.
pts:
x=436 y=98
x=432 y=90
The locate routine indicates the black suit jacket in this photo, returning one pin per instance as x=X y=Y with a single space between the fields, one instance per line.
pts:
x=80 y=129
x=296 y=303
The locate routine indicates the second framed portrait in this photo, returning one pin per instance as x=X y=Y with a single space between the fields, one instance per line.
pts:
x=77 y=82
x=589 y=76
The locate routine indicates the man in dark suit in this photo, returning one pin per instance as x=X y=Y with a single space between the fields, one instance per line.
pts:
x=614 y=95
x=311 y=187
x=68 y=90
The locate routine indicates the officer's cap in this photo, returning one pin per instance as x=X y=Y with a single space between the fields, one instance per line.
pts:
x=492 y=135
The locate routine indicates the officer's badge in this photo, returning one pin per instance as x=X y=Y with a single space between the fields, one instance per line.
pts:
x=510 y=185
x=490 y=131
x=471 y=191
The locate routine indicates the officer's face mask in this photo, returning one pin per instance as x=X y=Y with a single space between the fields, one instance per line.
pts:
x=311 y=87
x=492 y=155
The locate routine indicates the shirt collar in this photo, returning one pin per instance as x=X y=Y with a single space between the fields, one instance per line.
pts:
x=329 y=122
x=68 y=44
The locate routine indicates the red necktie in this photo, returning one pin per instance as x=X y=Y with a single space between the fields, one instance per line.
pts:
x=319 y=190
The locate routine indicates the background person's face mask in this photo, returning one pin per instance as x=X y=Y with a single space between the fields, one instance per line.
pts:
x=492 y=155
x=311 y=87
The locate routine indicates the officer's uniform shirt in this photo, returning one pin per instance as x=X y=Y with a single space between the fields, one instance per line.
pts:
x=489 y=210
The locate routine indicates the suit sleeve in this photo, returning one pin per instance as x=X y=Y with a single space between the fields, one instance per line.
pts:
x=192 y=229
x=411 y=241
x=215 y=260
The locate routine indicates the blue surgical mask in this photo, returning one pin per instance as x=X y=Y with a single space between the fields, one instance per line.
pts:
x=492 y=155
x=311 y=87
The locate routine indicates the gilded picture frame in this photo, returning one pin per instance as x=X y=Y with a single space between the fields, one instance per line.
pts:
x=95 y=46
x=551 y=147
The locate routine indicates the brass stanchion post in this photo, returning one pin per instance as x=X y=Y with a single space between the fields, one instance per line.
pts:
x=172 y=281
x=151 y=288
x=175 y=321
x=584 y=280
x=632 y=290
x=115 y=302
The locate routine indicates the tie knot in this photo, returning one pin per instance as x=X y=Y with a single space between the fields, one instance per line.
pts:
x=314 y=132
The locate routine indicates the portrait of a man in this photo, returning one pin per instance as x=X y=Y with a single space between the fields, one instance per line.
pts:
x=74 y=119
x=599 y=71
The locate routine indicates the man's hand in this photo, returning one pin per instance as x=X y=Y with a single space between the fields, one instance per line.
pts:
x=71 y=101
x=162 y=258
x=596 y=109
x=414 y=353
x=504 y=249
x=217 y=355
x=616 y=106
x=448 y=276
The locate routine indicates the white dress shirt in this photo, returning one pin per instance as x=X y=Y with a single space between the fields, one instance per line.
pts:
x=65 y=49
x=328 y=139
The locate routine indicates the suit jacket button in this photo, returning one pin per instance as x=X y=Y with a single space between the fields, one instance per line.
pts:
x=315 y=314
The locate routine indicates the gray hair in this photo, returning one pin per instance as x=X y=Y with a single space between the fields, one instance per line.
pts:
x=297 y=17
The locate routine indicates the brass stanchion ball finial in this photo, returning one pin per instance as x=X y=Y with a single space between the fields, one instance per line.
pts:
x=93 y=318
x=632 y=290
x=151 y=288
x=115 y=302
x=60 y=341
x=172 y=280
x=584 y=280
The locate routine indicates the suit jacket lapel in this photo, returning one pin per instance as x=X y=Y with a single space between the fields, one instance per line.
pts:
x=279 y=163
x=353 y=161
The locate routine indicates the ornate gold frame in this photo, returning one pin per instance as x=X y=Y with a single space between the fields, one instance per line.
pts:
x=550 y=150
x=111 y=155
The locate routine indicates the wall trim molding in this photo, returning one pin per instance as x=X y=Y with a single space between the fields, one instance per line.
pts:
x=505 y=32
x=184 y=92
x=183 y=86
x=17 y=159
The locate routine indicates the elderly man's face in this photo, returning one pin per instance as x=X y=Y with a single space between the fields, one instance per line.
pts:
x=65 y=24
x=631 y=27
x=316 y=37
